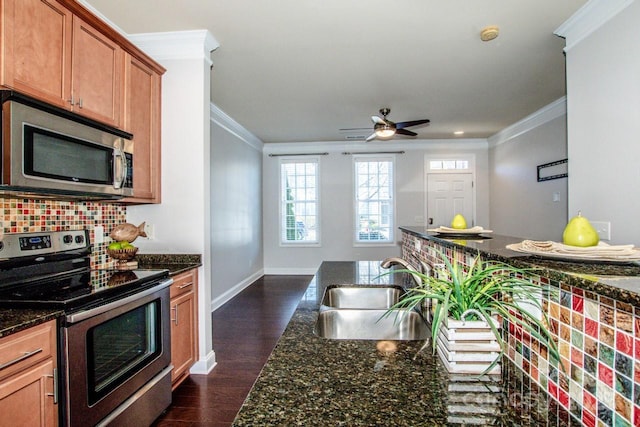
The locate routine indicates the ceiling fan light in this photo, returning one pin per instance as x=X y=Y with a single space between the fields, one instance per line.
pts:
x=385 y=131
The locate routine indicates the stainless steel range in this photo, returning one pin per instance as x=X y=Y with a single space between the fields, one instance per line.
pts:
x=114 y=340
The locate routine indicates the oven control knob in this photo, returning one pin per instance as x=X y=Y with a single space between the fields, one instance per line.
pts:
x=67 y=238
x=79 y=239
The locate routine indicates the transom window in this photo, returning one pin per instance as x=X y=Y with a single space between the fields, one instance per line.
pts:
x=374 y=188
x=449 y=164
x=299 y=201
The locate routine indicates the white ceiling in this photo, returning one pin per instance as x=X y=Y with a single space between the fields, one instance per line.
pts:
x=300 y=70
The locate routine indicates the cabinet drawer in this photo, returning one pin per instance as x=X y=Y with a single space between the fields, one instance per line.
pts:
x=27 y=347
x=184 y=282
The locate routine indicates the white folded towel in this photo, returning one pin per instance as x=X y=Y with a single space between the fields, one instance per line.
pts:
x=476 y=229
x=602 y=250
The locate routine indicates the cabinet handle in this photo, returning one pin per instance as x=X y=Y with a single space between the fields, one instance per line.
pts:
x=185 y=285
x=79 y=104
x=175 y=310
x=55 y=386
x=26 y=355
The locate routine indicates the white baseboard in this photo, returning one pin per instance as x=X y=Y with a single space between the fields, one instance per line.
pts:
x=220 y=300
x=292 y=271
x=204 y=365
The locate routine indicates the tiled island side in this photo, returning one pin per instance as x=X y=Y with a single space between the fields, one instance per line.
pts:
x=593 y=311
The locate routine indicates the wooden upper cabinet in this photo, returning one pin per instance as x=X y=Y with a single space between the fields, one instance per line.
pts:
x=36 y=49
x=142 y=86
x=60 y=53
x=95 y=74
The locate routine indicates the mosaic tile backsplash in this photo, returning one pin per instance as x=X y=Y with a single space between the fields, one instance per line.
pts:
x=599 y=343
x=33 y=215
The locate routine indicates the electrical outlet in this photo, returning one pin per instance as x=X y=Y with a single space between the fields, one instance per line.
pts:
x=98 y=234
x=149 y=231
x=417 y=244
x=603 y=228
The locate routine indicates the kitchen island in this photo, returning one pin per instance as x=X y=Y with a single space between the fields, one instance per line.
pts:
x=310 y=380
x=593 y=311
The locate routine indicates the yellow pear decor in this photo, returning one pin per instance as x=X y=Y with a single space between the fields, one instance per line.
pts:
x=458 y=222
x=580 y=232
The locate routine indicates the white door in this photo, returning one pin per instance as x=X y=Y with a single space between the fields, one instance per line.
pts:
x=449 y=194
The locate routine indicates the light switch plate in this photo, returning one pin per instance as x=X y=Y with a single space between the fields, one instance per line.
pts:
x=603 y=228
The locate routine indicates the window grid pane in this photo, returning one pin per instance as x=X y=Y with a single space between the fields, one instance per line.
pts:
x=374 y=207
x=299 y=201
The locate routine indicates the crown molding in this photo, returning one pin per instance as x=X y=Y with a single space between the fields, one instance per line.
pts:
x=100 y=15
x=193 y=44
x=225 y=121
x=338 y=147
x=547 y=113
x=588 y=19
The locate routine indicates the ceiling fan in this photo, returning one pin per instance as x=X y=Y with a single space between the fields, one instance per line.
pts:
x=384 y=128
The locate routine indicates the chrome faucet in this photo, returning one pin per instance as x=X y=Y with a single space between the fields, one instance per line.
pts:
x=387 y=263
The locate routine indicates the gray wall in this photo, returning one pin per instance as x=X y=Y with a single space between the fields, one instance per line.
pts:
x=603 y=105
x=336 y=200
x=521 y=206
x=236 y=211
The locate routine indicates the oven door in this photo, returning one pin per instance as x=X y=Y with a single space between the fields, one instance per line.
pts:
x=113 y=351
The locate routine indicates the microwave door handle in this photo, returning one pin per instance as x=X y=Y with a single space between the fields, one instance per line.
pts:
x=119 y=181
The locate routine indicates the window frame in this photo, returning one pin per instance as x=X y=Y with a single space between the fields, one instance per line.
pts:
x=390 y=241
x=281 y=202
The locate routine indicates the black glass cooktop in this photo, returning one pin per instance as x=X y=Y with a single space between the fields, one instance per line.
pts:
x=79 y=289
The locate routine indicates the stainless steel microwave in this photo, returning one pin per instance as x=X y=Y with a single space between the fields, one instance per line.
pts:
x=49 y=151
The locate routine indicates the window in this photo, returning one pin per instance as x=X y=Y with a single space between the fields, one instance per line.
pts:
x=449 y=164
x=299 y=201
x=374 y=199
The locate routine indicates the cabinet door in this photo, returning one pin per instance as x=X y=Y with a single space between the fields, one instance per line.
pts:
x=96 y=74
x=142 y=119
x=26 y=399
x=183 y=335
x=36 y=49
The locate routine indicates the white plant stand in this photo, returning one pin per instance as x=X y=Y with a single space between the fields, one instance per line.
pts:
x=468 y=346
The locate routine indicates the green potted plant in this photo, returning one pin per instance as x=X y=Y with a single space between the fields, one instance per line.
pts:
x=465 y=306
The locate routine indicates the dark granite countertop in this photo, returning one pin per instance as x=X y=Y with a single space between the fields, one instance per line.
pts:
x=617 y=281
x=175 y=263
x=310 y=380
x=15 y=320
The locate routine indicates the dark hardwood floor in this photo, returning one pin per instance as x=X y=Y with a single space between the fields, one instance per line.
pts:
x=245 y=331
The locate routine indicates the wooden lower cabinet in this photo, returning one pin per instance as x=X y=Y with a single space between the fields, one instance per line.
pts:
x=184 y=325
x=28 y=362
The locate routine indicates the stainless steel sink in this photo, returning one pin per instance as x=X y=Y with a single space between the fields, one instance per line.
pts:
x=370 y=297
x=371 y=324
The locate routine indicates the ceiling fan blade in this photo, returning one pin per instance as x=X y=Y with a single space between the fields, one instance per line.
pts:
x=403 y=125
x=371 y=137
x=378 y=120
x=350 y=129
x=405 y=132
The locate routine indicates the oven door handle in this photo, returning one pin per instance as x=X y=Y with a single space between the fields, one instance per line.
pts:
x=83 y=315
